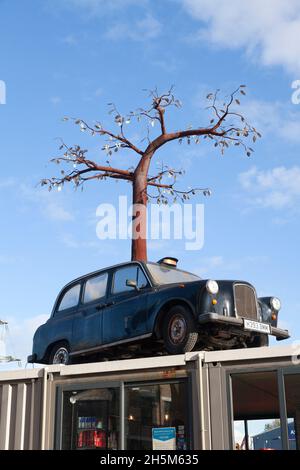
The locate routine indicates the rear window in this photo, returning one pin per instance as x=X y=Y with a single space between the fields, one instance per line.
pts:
x=70 y=298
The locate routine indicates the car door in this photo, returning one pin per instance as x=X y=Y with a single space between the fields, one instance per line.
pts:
x=60 y=325
x=87 y=324
x=126 y=316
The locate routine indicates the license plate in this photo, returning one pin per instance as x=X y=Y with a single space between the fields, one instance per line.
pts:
x=257 y=326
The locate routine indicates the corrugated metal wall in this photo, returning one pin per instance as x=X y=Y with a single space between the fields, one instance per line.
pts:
x=21 y=414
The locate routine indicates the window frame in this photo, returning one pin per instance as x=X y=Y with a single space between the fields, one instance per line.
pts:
x=59 y=407
x=185 y=381
x=130 y=290
x=281 y=371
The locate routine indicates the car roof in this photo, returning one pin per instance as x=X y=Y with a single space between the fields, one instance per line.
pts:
x=120 y=265
x=99 y=271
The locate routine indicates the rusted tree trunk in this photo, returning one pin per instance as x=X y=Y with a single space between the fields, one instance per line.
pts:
x=139 y=200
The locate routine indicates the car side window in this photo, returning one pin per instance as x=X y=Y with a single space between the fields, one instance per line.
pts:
x=132 y=273
x=95 y=288
x=70 y=298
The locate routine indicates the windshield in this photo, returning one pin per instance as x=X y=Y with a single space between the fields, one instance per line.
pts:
x=165 y=275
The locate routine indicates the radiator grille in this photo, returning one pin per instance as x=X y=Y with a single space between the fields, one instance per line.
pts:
x=245 y=301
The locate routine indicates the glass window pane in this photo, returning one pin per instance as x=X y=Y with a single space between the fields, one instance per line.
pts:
x=121 y=276
x=95 y=288
x=164 y=275
x=91 y=419
x=70 y=299
x=150 y=407
x=292 y=394
x=256 y=411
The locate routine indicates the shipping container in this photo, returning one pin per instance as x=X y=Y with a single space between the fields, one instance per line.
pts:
x=204 y=400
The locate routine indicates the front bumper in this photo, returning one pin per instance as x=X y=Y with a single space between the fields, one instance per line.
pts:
x=32 y=359
x=205 y=318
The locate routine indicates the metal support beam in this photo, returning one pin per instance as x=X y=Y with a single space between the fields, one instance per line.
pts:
x=246 y=434
x=44 y=409
x=5 y=417
x=283 y=412
x=201 y=401
x=122 y=416
x=32 y=409
x=20 y=416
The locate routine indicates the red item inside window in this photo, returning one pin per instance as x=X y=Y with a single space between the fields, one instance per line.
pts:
x=100 y=439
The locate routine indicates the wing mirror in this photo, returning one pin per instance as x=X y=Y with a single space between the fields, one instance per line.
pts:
x=131 y=283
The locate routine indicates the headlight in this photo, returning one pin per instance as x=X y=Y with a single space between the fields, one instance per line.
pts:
x=212 y=287
x=275 y=304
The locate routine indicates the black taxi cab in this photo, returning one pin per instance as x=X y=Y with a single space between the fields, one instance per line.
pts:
x=145 y=307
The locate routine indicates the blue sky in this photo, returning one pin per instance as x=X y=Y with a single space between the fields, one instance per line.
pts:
x=72 y=57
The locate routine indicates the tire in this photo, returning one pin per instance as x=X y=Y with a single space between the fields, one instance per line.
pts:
x=259 y=341
x=179 y=331
x=60 y=354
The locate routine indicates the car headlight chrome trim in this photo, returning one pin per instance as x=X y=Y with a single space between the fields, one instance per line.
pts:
x=212 y=287
x=275 y=303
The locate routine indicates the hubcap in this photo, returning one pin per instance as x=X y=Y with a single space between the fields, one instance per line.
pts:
x=61 y=356
x=177 y=329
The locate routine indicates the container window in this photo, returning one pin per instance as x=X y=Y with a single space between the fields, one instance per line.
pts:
x=91 y=419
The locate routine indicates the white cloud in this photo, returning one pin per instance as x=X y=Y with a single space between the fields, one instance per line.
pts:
x=137 y=24
x=209 y=266
x=55 y=211
x=70 y=40
x=18 y=340
x=222 y=268
x=7 y=183
x=8 y=259
x=71 y=242
x=266 y=29
x=55 y=100
x=276 y=119
x=290 y=130
x=277 y=188
x=266 y=116
x=49 y=203
x=158 y=246
x=100 y=7
x=141 y=30
x=98 y=92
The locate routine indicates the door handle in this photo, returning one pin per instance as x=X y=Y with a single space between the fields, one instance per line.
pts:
x=100 y=307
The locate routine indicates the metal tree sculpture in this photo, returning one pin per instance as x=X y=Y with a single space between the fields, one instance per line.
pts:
x=226 y=127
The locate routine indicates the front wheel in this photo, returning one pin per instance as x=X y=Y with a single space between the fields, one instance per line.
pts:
x=179 y=331
x=60 y=354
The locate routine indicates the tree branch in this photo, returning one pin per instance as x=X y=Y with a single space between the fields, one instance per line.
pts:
x=227 y=127
x=161 y=114
x=116 y=137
